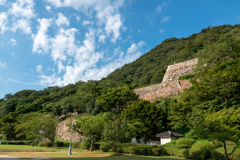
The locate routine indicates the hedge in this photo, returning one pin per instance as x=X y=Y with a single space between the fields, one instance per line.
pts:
x=18 y=142
x=201 y=150
x=142 y=150
x=58 y=144
x=173 y=150
x=185 y=142
x=45 y=144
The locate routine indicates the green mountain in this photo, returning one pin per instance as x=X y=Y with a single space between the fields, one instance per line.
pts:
x=211 y=46
x=208 y=45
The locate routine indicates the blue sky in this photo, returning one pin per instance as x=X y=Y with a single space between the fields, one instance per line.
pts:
x=57 y=42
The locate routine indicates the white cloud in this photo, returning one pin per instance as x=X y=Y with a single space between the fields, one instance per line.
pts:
x=13 y=41
x=113 y=26
x=1 y=78
x=62 y=20
x=3 y=22
x=139 y=31
x=61 y=67
x=159 y=9
x=50 y=80
x=69 y=61
x=85 y=68
x=161 y=30
x=22 y=24
x=63 y=45
x=41 y=40
x=77 y=17
x=22 y=82
x=39 y=68
x=48 y=8
x=107 y=13
x=2 y=2
x=102 y=38
x=98 y=73
x=3 y=65
x=165 y=19
x=23 y=8
x=87 y=22
x=135 y=47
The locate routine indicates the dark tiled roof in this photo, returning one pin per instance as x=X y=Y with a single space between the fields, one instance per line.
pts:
x=169 y=134
x=153 y=139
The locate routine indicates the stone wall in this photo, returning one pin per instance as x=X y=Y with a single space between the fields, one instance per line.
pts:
x=170 y=85
x=179 y=69
x=167 y=89
x=63 y=133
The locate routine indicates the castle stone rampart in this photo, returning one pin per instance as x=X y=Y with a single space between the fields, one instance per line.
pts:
x=179 y=69
x=63 y=132
x=170 y=85
x=167 y=89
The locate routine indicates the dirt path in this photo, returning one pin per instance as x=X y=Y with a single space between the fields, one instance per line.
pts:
x=5 y=157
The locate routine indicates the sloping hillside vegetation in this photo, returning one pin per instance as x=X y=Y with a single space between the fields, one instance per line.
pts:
x=114 y=112
x=208 y=45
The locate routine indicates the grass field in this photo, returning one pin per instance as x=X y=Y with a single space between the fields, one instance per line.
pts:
x=27 y=148
x=25 y=151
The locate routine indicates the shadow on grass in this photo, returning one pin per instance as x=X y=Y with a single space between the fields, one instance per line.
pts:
x=121 y=157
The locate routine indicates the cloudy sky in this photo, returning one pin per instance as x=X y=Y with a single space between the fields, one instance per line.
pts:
x=57 y=42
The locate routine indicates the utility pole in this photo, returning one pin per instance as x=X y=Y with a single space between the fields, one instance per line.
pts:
x=70 y=146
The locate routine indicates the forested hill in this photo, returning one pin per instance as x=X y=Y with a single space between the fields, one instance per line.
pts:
x=150 y=67
x=210 y=46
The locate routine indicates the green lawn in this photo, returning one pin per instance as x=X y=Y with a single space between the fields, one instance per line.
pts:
x=123 y=157
x=27 y=148
x=26 y=152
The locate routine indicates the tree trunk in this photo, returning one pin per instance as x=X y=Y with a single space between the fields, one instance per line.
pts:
x=144 y=138
x=91 y=145
x=115 y=150
x=225 y=149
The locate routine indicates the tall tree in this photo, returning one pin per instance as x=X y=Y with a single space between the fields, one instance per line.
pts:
x=92 y=126
x=8 y=126
x=115 y=132
x=144 y=118
x=38 y=125
x=223 y=125
x=117 y=98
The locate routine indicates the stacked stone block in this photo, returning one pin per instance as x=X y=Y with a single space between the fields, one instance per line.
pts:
x=170 y=86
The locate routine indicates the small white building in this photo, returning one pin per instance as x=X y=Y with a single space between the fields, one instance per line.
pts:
x=168 y=136
x=153 y=141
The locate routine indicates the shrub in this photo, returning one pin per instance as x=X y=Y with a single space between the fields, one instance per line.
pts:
x=45 y=144
x=157 y=151
x=149 y=151
x=201 y=150
x=96 y=146
x=86 y=144
x=187 y=76
x=20 y=143
x=171 y=143
x=104 y=147
x=173 y=150
x=141 y=150
x=27 y=142
x=58 y=144
x=185 y=142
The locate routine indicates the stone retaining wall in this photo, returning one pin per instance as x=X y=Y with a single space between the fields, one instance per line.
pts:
x=179 y=69
x=63 y=133
x=163 y=90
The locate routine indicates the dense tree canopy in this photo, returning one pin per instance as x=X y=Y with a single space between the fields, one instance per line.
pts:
x=223 y=126
x=144 y=119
